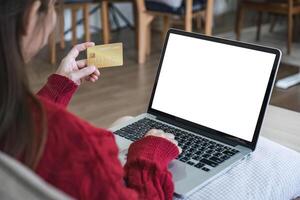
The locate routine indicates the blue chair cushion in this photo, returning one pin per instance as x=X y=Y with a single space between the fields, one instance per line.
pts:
x=161 y=7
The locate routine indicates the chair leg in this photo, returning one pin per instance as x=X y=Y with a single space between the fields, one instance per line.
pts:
x=166 y=26
x=86 y=11
x=52 y=48
x=209 y=17
x=61 y=17
x=273 y=22
x=239 y=20
x=199 y=22
x=136 y=23
x=142 y=43
x=144 y=27
x=295 y=27
x=74 y=26
x=188 y=15
x=259 y=18
x=105 y=22
x=290 y=33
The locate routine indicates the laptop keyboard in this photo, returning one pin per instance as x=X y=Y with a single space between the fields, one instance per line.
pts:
x=197 y=151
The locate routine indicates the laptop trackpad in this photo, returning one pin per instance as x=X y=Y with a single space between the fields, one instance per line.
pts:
x=178 y=170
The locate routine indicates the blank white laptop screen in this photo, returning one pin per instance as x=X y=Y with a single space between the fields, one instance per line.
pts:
x=213 y=84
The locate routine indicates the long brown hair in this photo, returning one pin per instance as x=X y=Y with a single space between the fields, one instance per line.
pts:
x=22 y=121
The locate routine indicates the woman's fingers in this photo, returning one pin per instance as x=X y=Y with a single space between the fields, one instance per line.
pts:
x=160 y=133
x=170 y=135
x=152 y=131
x=93 y=77
x=78 y=48
x=179 y=149
x=92 y=80
x=97 y=72
x=82 y=73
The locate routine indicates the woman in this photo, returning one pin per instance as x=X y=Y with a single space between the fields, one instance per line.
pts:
x=64 y=150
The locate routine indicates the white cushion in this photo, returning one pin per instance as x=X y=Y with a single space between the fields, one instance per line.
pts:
x=271 y=172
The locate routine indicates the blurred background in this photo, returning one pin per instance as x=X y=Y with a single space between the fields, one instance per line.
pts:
x=141 y=27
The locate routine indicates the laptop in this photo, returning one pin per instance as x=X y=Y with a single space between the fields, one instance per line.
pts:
x=212 y=94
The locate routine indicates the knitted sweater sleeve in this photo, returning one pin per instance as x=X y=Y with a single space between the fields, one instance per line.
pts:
x=58 y=89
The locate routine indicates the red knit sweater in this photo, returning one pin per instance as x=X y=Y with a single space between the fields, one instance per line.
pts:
x=82 y=160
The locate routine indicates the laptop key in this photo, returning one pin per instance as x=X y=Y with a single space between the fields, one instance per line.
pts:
x=205 y=155
x=191 y=151
x=201 y=149
x=205 y=169
x=196 y=157
x=217 y=154
x=198 y=152
x=208 y=162
x=190 y=163
x=209 y=151
x=118 y=132
x=188 y=143
x=234 y=151
x=229 y=153
x=199 y=165
x=188 y=155
x=215 y=159
x=127 y=137
x=224 y=157
x=184 y=159
x=184 y=146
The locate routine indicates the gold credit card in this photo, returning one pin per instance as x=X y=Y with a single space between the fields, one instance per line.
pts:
x=107 y=55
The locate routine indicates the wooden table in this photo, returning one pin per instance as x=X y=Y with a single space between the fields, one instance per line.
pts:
x=282 y=126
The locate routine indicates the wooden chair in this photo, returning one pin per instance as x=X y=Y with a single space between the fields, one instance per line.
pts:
x=146 y=16
x=290 y=8
x=74 y=6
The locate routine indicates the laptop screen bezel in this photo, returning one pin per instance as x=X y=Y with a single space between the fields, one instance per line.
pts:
x=194 y=126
